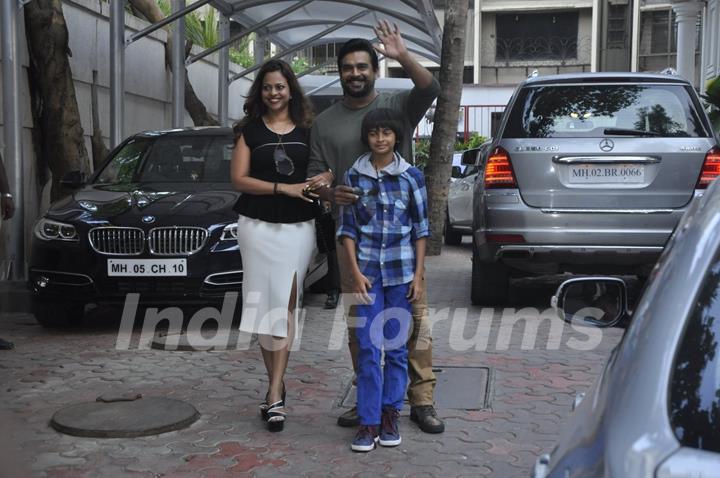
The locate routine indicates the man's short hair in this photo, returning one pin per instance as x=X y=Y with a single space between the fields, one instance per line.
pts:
x=357 y=44
x=382 y=118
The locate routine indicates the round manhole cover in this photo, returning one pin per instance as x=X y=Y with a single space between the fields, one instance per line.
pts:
x=199 y=341
x=125 y=418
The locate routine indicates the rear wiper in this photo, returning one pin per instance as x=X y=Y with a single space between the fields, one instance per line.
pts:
x=630 y=132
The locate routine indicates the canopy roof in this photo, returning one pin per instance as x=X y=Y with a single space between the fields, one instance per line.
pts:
x=306 y=20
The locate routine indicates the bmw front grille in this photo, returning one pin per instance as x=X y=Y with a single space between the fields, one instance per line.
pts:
x=163 y=241
x=117 y=241
x=177 y=241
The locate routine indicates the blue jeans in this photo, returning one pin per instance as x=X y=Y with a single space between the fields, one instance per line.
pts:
x=383 y=324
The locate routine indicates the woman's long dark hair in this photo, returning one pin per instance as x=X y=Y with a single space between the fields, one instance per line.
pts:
x=299 y=107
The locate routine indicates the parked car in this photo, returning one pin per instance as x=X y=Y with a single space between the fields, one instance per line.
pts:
x=457 y=167
x=655 y=409
x=458 y=221
x=156 y=219
x=588 y=173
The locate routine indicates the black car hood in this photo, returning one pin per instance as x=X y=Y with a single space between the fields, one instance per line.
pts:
x=167 y=203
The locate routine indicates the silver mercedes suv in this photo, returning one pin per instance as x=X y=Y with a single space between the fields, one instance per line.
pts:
x=589 y=173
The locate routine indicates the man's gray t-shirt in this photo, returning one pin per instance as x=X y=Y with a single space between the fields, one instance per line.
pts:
x=335 y=141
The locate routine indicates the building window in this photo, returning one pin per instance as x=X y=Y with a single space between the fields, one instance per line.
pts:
x=617 y=26
x=658 y=39
x=663 y=32
x=323 y=54
x=536 y=36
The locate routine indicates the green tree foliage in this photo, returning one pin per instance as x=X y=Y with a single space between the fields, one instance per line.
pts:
x=422 y=147
x=299 y=64
x=203 y=31
x=712 y=97
x=474 y=141
x=422 y=152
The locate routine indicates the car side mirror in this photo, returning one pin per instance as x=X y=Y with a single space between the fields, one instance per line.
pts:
x=469 y=157
x=456 y=172
x=73 y=180
x=599 y=301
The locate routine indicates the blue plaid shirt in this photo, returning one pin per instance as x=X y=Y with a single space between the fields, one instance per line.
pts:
x=389 y=217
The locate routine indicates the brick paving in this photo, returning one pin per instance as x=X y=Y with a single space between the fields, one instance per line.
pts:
x=534 y=379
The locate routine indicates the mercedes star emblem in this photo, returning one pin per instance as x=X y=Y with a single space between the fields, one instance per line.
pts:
x=607 y=145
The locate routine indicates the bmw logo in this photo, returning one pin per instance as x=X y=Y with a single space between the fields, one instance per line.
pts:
x=607 y=145
x=148 y=219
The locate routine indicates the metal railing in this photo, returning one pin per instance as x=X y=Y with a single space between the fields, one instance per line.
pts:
x=471 y=118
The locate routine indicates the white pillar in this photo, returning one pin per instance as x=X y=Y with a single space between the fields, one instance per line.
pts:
x=686 y=17
x=477 y=52
x=635 y=46
x=594 y=35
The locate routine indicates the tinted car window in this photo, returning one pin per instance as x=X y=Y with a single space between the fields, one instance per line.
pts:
x=470 y=170
x=171 y=159
x=122 y=167
x=188 y=159
x=559 y=111
x=695 y=386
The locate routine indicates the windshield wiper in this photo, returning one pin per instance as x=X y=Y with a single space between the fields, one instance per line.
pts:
x=630 y=132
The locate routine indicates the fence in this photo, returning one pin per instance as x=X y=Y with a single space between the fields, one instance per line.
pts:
x=483 y=119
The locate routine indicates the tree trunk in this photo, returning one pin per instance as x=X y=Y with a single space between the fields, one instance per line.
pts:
x=99 y=150
x=437 y=171
x=195 y=108
x=62 y=146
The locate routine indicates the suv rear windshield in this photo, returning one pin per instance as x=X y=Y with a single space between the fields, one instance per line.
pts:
x=585 y=111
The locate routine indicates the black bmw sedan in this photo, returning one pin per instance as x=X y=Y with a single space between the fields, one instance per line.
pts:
x=156 y=219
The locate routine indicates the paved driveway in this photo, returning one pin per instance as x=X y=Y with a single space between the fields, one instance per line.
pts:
x=535 y=364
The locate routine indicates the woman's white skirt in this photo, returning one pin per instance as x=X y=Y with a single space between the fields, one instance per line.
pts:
x=272 y=254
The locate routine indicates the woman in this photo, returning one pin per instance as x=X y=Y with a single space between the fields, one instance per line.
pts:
x=276 y=229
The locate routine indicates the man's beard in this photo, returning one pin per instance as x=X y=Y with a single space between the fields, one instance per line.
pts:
x=365 y=91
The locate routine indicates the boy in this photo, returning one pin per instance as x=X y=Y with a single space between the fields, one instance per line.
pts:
x=384 y=235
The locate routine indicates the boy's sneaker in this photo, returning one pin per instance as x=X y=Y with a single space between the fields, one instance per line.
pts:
x=389 y=432
x=365 y=439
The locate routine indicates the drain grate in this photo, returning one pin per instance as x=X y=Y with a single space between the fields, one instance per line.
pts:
x=458 y=388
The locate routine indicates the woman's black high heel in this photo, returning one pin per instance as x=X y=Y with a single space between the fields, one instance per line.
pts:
x=276 y=416
x=264 y=406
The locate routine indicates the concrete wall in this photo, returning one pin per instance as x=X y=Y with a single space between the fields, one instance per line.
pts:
x=147 y=84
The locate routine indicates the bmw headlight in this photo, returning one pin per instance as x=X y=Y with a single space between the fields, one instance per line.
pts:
x=49 y=230
x=229 y=233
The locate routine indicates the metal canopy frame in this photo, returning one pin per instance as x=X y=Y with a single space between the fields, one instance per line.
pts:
x=290 y=24
x=305 y=23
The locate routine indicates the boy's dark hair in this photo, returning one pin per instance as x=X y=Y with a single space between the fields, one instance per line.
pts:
x=382 y=118
x=357 y=44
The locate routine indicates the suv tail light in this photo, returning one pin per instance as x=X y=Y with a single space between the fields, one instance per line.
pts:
x=710 y=169
x=498 y=170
